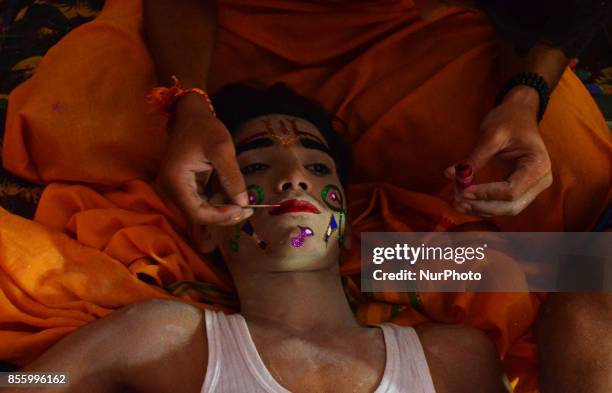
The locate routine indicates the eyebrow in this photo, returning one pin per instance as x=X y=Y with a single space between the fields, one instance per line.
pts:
x=312 y=144
x=261 y=140
x=254 y=144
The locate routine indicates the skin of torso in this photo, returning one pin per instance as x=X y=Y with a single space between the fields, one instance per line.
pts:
x=348 y=361
x=161 y=347
x=460 y=359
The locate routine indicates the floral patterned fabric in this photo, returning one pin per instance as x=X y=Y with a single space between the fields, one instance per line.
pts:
x=27 y=30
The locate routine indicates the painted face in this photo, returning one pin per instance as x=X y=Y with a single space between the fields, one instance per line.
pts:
x=285 y=160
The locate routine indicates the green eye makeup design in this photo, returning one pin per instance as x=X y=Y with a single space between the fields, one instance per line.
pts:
x=256 y=194
x=332 y=197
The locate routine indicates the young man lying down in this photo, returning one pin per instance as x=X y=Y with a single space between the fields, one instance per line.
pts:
x=295 y=331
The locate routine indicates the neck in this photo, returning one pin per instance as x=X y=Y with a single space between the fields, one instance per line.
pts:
x=299 y=302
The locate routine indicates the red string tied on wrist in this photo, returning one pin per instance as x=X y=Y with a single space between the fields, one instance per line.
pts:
x=164 y=98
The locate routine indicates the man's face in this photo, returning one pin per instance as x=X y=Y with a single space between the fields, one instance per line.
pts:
x=285 y=160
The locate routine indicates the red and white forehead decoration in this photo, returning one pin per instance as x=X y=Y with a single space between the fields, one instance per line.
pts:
x=284 y=131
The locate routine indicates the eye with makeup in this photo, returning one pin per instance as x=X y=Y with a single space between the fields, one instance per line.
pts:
x=318 y=169
x=254 y=168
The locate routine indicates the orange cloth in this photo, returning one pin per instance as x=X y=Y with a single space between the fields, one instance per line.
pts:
x=412 y=94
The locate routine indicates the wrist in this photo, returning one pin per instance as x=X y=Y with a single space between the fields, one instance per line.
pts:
x=177 y=98
x=192 y=105
x=523 y=95
x=528 y=90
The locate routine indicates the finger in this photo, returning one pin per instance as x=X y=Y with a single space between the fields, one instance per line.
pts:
x=450 y=172
x=246 y=213
x=198 y=210
x=466 y=208
x=492 y=208
x=484 y=151
x=506 y=208
x=224 y=161
x=182 y=189
x=479 y=156
x=530 y=173
x=528 y=176
x=497 y=191
x=208 y=215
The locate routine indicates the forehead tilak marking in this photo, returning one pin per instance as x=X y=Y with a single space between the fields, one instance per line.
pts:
x=283 y=127
x=286 y=138
x=293 y=135
x=297 y=131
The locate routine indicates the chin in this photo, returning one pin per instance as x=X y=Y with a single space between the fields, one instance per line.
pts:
x=285 y=252
x=302 y=264
x=284 y=257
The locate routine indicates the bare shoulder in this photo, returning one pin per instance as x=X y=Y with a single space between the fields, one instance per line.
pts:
x=156 y=326
x=168 y=346
x=152 y=346
x=171 y=311
x=461 y=359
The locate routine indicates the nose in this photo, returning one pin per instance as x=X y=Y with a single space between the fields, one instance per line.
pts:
x=294 y=178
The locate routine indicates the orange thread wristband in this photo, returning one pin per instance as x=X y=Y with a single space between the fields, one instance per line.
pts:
x=164 y=98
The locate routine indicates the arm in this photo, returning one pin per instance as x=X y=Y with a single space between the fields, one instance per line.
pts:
x=462 y=360
x=181 y=38
x=151 y=346
x=565 y=25
x=511 y=131
x=537 y=38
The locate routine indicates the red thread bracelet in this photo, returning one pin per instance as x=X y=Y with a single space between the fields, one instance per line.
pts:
x=164 y=98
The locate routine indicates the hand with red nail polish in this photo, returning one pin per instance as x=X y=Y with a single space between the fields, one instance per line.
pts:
x=509 y=132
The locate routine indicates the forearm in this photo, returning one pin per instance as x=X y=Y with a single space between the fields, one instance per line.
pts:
x=543 y=60
x=181 y=37
x=548 y=62
x=567 y=25
x=546 y=33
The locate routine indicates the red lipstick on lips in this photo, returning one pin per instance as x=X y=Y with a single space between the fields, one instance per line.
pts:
x=294 y=206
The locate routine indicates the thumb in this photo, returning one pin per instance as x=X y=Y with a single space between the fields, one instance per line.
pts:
x=484 y=150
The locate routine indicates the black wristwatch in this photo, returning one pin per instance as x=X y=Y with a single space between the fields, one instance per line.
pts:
x=530 y=79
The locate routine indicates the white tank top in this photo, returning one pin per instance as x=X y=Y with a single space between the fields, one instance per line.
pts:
x=234 y=365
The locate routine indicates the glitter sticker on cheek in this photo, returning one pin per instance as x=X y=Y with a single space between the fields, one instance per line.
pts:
x=298 y=241
x=256 y=194
x=331 y=228
x=332 y=197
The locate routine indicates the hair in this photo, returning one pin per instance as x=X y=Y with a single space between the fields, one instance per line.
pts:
x=238 y=103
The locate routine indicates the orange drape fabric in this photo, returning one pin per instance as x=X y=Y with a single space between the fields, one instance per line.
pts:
x=411 y=92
